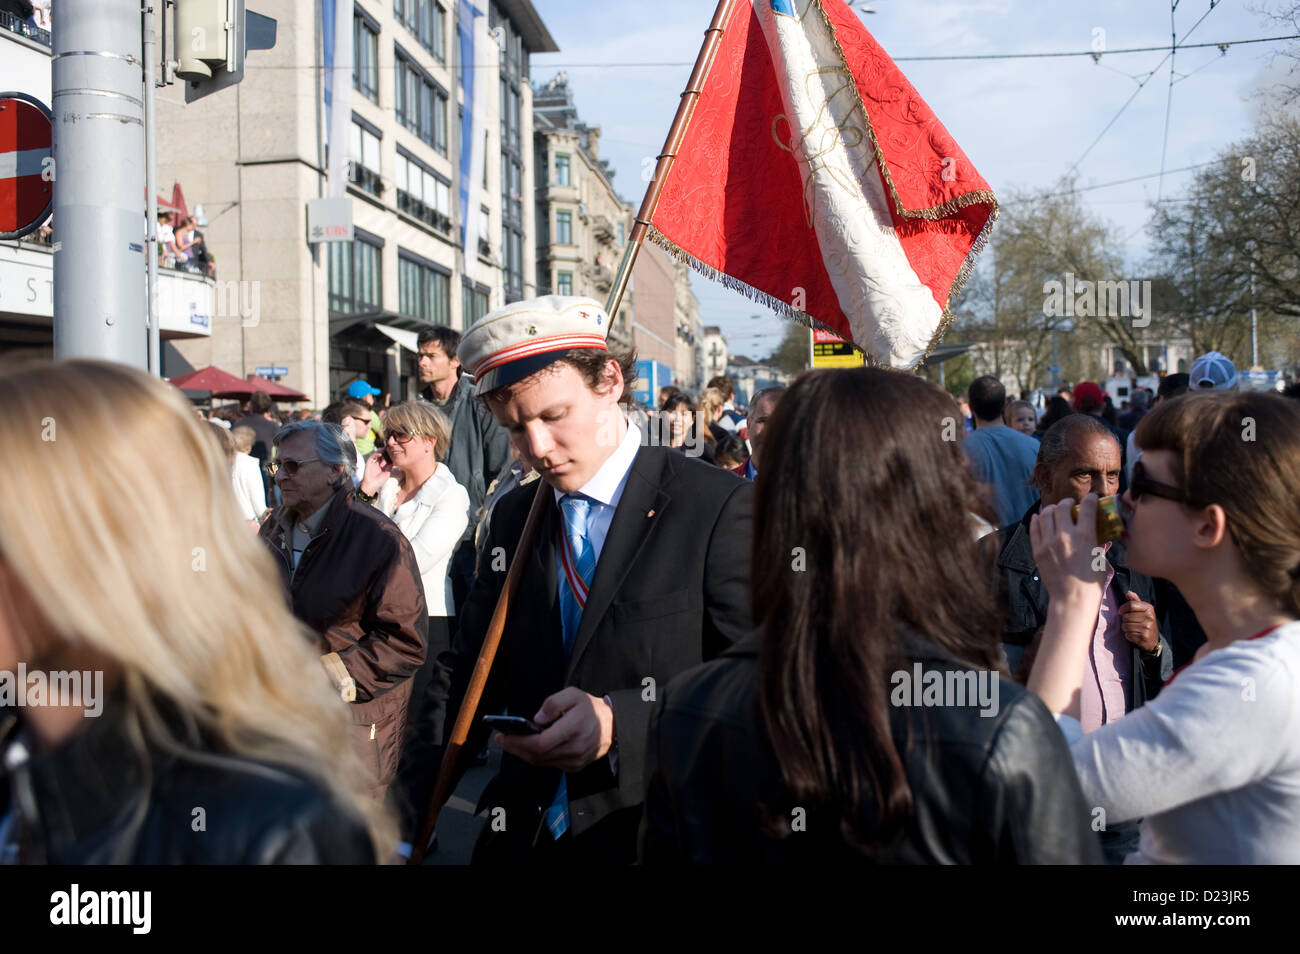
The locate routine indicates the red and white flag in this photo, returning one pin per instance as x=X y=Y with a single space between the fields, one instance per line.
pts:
x=814 y=178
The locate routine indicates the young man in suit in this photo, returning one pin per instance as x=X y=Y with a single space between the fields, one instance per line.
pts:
x=639 y=571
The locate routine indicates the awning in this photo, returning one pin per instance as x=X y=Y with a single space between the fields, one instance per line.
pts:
x=407 y=339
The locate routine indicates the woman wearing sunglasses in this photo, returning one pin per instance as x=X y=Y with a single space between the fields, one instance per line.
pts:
x=407 y=481
x=1213 y=763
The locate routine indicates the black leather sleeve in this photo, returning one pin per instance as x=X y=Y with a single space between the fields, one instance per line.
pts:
x=318 y=833
x=1030 y=793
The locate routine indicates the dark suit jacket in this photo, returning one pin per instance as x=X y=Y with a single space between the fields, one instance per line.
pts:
x=671 y=590
x=1026 y=605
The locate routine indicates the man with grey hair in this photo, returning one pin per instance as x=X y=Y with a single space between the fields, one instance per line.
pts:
x=761 y=407
x=352 y=578
x=1129 y=657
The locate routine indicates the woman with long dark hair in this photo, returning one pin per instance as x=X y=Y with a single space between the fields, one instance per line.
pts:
x=867 y=717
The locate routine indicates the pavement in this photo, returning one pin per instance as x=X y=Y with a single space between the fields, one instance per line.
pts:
x=458 y=826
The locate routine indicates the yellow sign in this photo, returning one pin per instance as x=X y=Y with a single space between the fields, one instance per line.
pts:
x=829 y=351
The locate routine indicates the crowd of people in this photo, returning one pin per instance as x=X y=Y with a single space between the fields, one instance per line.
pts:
x=824 y=626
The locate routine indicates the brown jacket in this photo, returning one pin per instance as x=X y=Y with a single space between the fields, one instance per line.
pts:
x=358 y=587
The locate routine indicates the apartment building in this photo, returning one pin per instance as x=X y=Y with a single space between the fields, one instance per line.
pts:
x=254 y=155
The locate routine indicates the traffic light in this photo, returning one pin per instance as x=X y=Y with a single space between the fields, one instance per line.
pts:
x=211 y=39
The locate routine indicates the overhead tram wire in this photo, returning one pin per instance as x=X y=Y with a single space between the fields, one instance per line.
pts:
x=1168 y=54
x=897 y=59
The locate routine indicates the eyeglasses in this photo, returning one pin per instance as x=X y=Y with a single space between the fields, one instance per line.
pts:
x=1142 y=484
x=400 y=436
x=290 y=467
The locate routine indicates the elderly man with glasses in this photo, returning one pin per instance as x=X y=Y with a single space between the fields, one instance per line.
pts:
x=1129 y=657
x=353 y=579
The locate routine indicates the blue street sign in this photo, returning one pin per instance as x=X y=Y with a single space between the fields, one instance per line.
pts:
x=271 y=371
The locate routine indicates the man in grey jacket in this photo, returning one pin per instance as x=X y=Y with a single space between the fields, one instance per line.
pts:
x=480 y=447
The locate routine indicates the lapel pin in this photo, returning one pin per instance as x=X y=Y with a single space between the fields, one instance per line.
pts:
x=650 y=514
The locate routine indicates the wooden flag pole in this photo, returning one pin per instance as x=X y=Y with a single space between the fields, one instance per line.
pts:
x=487 y=654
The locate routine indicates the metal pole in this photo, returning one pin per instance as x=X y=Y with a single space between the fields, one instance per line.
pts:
x=151 y=184
x=100 y=305
x=1254 y=326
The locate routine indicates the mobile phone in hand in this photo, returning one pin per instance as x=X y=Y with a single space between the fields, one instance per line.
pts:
x=512 y=725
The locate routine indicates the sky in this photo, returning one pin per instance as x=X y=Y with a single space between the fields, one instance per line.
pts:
x=1023 y=123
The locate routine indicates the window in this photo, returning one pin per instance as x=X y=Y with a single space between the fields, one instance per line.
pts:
x=622 y=234
x=563 y=228
x=564 y=283
x=420 y=103
x=561 y=169
x=484 y=230
x=423 y=289
x=422 y=193
x=365 y=58
x=365 y=158
x=355 y=274
x=426 y=20
x=473 y=303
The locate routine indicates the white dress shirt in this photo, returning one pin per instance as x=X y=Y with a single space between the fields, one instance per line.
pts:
x=606 y=489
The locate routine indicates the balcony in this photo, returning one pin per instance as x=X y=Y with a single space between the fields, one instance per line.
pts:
x=11 y=23
x=366 y=179
x=187 y=303
x=599 y=276
x=427 y=214
x=604 y=229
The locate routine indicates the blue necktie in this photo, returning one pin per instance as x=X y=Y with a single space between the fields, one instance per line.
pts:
x=578 y=566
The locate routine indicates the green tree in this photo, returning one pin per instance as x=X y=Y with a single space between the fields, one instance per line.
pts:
x=792 y=354
x=1234 y=242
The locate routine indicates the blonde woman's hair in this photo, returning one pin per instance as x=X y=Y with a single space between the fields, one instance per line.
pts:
x=423 y=420
x=154 y=568
x=711 y=401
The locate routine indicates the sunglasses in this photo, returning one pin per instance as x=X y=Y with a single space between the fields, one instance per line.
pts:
x=402 y=437
x=1143 y=484
x=290 y=467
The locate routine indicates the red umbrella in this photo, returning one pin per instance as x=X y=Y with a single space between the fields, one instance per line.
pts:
x=220 y=383
x=277 y=391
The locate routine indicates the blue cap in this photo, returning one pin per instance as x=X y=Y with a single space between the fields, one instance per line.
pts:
x=359 y=389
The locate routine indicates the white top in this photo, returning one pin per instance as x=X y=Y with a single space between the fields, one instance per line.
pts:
x=1212 y=764
x=606 y=489
x=249 y=489
x=433 y=521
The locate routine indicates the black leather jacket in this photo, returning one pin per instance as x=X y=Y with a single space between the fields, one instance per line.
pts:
x=94 y=800
x=996 y=789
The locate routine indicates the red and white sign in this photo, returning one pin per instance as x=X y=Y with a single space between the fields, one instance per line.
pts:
x=26 y=169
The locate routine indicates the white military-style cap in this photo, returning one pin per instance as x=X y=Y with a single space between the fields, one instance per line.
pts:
x=509 y=344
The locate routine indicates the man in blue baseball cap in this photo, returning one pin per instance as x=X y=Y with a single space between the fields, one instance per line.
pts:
x=361 y=390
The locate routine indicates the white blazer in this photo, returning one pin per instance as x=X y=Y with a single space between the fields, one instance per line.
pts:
x=249 y=489
x=434 y=520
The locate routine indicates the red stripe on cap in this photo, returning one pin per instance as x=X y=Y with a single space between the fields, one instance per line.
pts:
x=539 y=346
